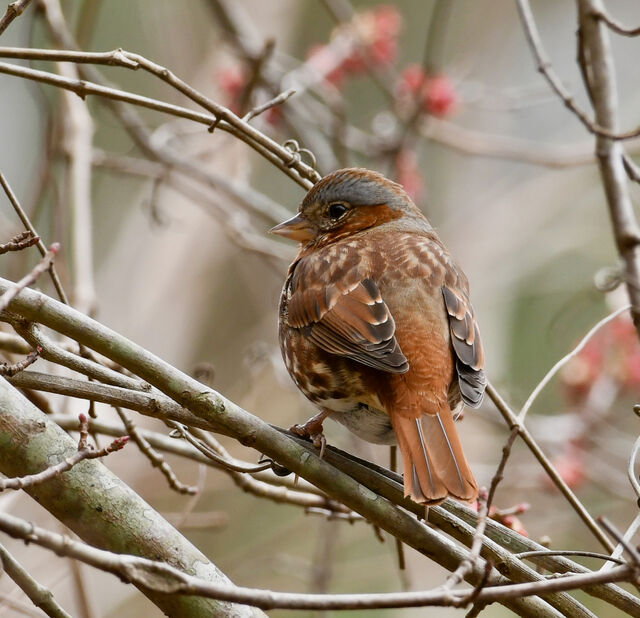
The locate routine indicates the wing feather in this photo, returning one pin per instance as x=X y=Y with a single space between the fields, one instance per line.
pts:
x=348 y=318
x=467 y=345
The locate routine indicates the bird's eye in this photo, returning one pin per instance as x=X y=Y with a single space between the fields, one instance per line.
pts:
x=336 y=210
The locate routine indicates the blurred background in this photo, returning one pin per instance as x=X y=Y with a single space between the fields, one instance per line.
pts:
x=442 y=96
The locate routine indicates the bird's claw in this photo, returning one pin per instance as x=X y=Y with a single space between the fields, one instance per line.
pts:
x=312 y=431
x=319 y=441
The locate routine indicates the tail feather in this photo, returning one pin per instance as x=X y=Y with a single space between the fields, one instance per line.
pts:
x=434 y=463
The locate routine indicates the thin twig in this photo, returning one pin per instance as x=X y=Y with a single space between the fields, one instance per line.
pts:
x=14 y=9
x=565 y=359
x=615 y=25
x=85 y=451
x=19 y=242
x=631 y=468
x=28 y=279
x=569 y=552
x=40 y=596
x=55 y=353
x=183 y=449
x=615 y=534
x=222 y=118
x=163 y=578
x=545 y=67
x=156 y=459
x=256 y=111
x=207 y=449
x=512 y=422
x=9 y=370
x=240 y=473
x=625 y=540
x=53 y=273
x=484 y=505
x=468 y=563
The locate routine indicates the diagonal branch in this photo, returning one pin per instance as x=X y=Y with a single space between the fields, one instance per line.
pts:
x=213 y=411
x=513 y=423
x=40 y=596
x=14 y=9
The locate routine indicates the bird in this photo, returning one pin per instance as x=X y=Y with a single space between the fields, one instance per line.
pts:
x=376 y=328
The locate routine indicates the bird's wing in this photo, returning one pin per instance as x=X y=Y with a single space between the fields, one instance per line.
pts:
x=467 y=345
x=344 y=314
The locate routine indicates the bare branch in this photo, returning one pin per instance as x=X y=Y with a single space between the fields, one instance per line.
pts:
x=55 y=353
x=40 y=596
x=222 y=117
x=78 y=139
x=28 y=279
x=85 y=451
x=513 y=423
x=545 y=67
x=178 y=447
x=211 y=410
x=570 y=552
x=9 y=370
x=598 y=71
x=615 y=25
x=14 y=9
x=53 y=273
x=256 y=111
x=614 y=533
x=156 y=459
x=104 y=510
x=19 y=242
x=160 y=577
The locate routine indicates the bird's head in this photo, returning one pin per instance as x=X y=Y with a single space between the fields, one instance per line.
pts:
x=345 y=202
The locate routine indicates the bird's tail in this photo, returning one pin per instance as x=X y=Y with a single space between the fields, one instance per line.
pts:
x=434 y=463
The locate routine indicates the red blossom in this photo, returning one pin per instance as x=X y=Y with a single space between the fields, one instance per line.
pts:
x=441 y=97
x=231 y=80
x=436 y=93
x=378 y=29
x=373 y=35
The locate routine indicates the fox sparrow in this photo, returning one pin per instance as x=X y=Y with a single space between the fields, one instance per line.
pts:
x=377 y=330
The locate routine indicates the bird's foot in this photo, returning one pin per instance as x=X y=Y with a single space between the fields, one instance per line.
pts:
x=313 y=430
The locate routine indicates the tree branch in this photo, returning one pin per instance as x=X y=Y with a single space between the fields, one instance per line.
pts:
x=97 y=505
x=599 y=75
x=219 y=414
x=14 y=9
x=160 y=577
x=40 y=596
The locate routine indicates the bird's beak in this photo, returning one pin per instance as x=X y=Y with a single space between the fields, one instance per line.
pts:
x=296 y=228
